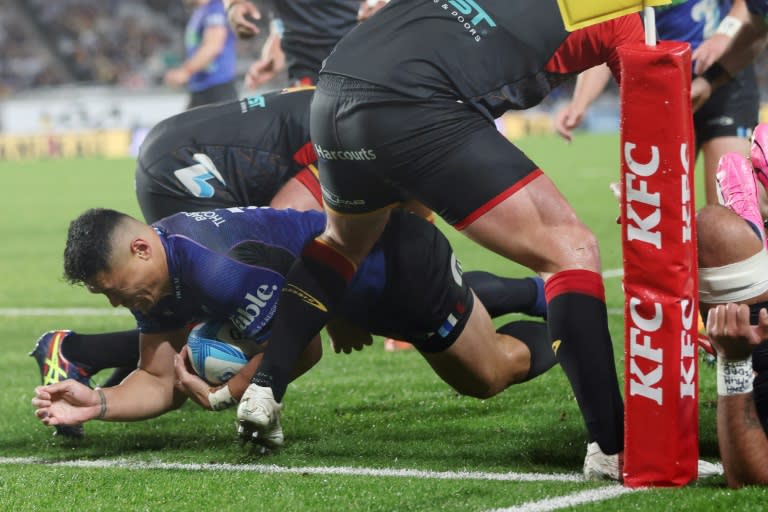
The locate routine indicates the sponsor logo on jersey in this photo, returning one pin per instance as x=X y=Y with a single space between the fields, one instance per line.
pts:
x=203 y=216
x=721 y=121
x=456 y=269
x=196 y=177
x=257 y=310
x=252 y=103
x=344 y=154
x=306 y=297
x=473 y=18
x=555 y=346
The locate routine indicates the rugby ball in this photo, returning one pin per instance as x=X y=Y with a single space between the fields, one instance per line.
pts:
x=217 y=350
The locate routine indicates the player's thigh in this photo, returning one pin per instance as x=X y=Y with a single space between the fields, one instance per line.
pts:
x=518 y=212
x=479 y=363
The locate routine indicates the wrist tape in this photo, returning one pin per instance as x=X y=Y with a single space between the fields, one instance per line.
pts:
x=734 y=377
x=221 y=399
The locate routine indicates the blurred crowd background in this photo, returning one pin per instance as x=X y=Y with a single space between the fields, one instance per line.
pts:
x=131 y=44
x=128 y=46
x=109 y=42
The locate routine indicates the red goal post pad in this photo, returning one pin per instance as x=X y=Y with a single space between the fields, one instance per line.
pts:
x=660 y=268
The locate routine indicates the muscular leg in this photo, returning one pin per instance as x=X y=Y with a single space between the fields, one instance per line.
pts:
x=483 y=362
x=549 y=239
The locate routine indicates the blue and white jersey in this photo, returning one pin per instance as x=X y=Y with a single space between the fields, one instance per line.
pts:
x=231 y=263
x=223 y=68
x=691 y=21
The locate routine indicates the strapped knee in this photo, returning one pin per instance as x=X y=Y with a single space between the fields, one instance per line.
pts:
x=735 y=282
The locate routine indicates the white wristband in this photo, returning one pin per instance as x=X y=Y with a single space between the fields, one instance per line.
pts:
x=734 y=377
x=221 y=399
x=729 y=26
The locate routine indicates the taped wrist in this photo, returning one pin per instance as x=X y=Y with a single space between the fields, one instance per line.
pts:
x=729 y=26
x=221 y=399
x=734 y=377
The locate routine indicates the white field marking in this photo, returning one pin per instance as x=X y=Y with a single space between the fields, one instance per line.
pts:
x=271 y=468
x=64 y=312
x=570 y=500
x=6 y=312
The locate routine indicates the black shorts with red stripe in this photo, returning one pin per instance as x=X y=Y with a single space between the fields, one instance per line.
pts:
x=375 y=148
x=425 y=299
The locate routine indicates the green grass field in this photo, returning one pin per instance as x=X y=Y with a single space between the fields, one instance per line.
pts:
x=371 y=431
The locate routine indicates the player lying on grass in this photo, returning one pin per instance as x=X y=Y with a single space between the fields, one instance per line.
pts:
x=255 y=152
x=733 y=293
x=231 y=263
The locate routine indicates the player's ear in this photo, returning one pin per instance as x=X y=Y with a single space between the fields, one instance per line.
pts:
x=141 y=248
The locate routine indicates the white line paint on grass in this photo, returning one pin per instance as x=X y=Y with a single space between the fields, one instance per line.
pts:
x=64 y=312
x=271 y=468
x=569 y=500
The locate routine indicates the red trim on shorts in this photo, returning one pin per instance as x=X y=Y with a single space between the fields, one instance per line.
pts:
x=329 y=257
x=472 y=217
x=308 y=177
x=305 y=155
x=585 y=282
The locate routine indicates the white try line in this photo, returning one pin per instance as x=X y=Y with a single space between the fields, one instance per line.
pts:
x=11 y=312
x=570 y=500
x=314 y=470
x=64 y=312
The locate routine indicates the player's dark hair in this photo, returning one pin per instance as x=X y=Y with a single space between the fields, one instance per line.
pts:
x=89 y=248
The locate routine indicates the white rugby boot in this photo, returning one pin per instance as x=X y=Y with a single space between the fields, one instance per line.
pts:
x=599 y=466
x=258 y=417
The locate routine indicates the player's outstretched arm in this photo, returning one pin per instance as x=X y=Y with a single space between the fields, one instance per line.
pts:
x=145 y=393
x=66 y=403
x=743 y=442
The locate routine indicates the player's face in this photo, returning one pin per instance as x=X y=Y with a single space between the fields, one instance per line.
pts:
x=132 y=282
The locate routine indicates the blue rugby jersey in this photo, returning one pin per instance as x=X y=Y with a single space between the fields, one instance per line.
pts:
x=691 y=21
x=223 y=68
x=231 y=263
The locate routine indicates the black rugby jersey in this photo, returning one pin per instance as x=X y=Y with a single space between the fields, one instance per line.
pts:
x=311 y=29
x=253 y=146
x=491 y=53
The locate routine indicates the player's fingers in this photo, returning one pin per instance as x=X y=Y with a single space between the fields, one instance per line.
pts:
x=38 y=403
x=713 y=321
x=42 y=392
x=179 y=367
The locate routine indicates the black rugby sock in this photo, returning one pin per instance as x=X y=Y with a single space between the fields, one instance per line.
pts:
x=103 y=350
x=578 y=325
x=313 y=287
x=503 y=295
x=535 y=335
